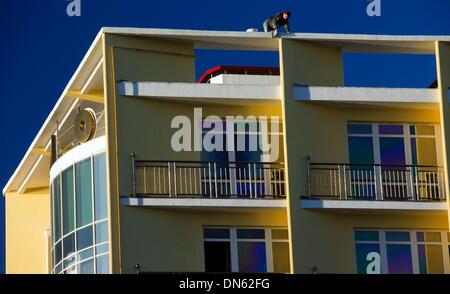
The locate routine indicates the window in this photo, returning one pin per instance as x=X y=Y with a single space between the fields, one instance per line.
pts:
x=392 y=144
x=68 y=201
x=84 y=192
x=80 y=218
x=238 y=165
x=394 y=161
x=248 y=250
x=101 y=206
x=401 y=252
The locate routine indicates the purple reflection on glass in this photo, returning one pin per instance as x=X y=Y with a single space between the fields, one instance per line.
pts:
x=390 y=129
x=399 y=258
x=252 y=257
x=392 y=151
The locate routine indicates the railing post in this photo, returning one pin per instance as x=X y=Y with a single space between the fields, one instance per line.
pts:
x=250 y=178
x=175 y=192
x=215 y=178
x=169 y=178
x=133 y=172
x=411 y=183
x=308 y=170
x=379 y=188
x=209 y=179
x=344 y=167
x=57 y=140
x=416 y=177
x=256 y=179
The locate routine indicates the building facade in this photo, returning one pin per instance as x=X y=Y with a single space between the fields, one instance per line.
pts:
x=139 y=168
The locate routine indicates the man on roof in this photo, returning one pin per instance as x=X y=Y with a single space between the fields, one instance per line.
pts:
x=273 y=23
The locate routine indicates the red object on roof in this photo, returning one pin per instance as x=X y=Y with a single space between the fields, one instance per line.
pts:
x=238 y=70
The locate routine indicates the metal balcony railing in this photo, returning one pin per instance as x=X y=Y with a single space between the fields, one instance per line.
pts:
x=66 y=138
x=201 y=179
x=376 y=182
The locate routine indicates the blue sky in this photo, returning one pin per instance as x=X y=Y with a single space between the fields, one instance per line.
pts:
x=41 y=46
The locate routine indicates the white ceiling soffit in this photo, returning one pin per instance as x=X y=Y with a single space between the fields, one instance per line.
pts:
x=225 y=40
x=33 y=164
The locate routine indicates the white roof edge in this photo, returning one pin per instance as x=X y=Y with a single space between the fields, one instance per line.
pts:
x=367 y=37
x=47 y=120
x=373 y=205
x=196 y=90
x=184 y=32
x=243 y=34
x=204 y=202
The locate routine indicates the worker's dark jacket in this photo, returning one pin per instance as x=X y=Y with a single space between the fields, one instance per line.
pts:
x=277 y=20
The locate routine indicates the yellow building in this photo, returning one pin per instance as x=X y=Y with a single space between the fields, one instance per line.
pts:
x=139 y=168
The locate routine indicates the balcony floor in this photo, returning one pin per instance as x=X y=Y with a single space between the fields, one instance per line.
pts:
x=375 y=207
x=207 y=203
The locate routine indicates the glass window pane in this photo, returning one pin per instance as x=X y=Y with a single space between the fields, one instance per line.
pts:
x=68 y=200
x=392 y=151
x=368 y=258
x=85 y=238
x=101 y=232
x=57 y=210
x=360 y=150
x=430 y=259
x=217 y=257
x=58 y=269
x=69 y=245
x=367 y=236
x=251 y=234
x=247 y=149
x=280 y=252
x=102 y=249
x=100 y=191
x=422 y=130
x=359 y=128
x=399 y=258
x=84 y=192
x=390 y=129
x=103 y=264
x=414 y=160
x=86 y=268
x=216 y=233
x=424 y=151
x=280 y=234
x=432 y=237
x=85 y=254
x=420 y=236
x=69 y=264
x=58 y=252
x=252 y=257
x=397 y=236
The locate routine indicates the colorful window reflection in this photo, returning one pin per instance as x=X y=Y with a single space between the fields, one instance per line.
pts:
x=79 y=218
x=401 y=252
x=246 y=250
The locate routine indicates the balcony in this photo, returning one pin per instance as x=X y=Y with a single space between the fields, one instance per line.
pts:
x=208 y=184
x=368 y=97
x=379 y=187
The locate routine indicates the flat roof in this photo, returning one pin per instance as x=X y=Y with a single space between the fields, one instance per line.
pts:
x=202 y=39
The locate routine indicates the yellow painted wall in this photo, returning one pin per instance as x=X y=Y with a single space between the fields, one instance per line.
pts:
x=144 y=127
x=27 y=218
x=172 y=240
x=443 y=69
x=325 y=239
